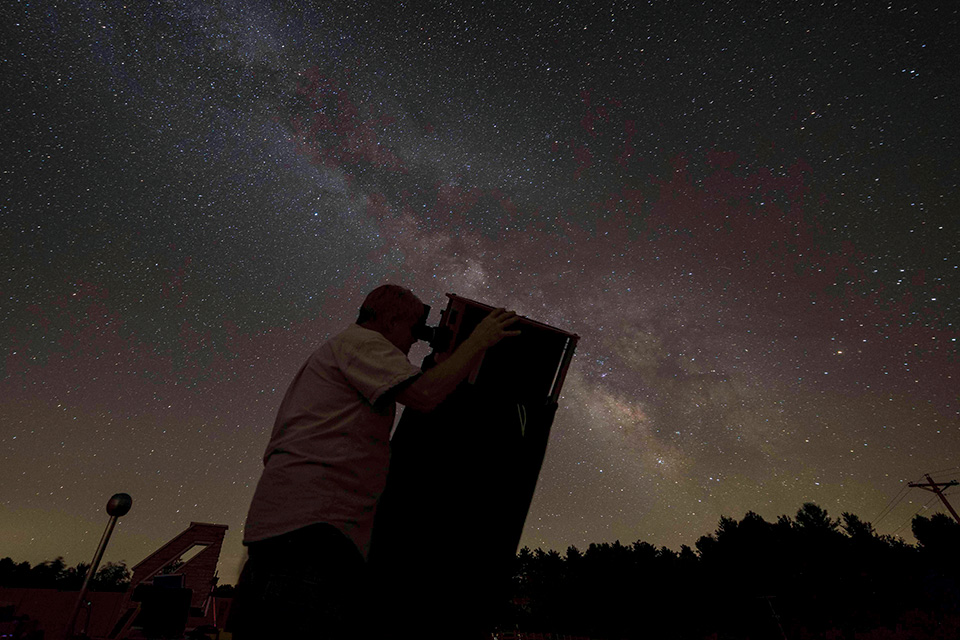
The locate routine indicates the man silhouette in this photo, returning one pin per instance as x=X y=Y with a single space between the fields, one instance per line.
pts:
x=309 y=524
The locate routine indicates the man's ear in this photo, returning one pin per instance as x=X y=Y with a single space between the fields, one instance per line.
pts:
x=366 y=315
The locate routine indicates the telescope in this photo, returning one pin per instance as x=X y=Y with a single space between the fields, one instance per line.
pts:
x=462 y=476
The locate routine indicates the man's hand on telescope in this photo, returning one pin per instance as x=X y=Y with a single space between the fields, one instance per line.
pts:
x=493 y=328
x=436 y=384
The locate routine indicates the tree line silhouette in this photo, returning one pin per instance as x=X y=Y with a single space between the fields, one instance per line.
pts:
x=55 y=574
x=807 y=576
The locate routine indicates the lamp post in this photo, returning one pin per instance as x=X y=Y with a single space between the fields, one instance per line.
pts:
x=117 y=506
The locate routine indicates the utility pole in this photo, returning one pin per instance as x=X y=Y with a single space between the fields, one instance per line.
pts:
x=930 y=485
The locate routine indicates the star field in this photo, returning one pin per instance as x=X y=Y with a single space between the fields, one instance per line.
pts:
x=748 y=212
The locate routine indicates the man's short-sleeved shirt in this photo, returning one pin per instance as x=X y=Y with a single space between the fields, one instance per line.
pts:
x=329 y=452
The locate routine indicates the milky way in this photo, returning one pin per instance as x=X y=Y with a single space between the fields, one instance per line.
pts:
x=748 y=212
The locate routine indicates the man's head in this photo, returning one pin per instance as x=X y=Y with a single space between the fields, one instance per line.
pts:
x=394 y=312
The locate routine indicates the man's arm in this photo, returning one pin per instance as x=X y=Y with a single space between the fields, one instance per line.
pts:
x=432 y=387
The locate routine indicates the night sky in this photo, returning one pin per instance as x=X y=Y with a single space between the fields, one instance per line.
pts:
x=747 y=210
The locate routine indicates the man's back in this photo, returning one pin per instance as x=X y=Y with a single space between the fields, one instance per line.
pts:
x=328 y=455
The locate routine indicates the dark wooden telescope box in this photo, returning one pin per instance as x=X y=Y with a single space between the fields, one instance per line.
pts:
x=462 y=477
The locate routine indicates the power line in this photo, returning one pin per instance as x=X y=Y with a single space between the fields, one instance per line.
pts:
x=887 y=510
x=910 y=519
x=946 y=470
x=898 y=498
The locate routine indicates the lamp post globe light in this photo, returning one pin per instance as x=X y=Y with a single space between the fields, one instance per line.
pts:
x=118 y=506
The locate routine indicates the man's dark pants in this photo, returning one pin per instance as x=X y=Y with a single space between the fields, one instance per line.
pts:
x=309 y=583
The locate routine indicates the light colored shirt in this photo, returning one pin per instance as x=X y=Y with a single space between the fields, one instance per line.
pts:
x=329 y=452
